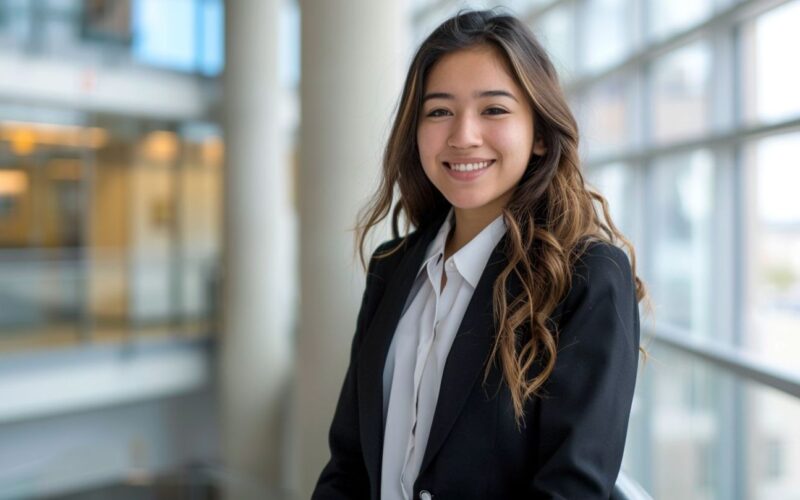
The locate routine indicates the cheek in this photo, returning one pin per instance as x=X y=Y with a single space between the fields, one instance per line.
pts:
x=429 y=144
x=514 y=141
x=423 y=142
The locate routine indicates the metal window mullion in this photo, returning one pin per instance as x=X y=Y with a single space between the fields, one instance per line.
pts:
x=579 y=22
x=728 y=449
x=742 y=420
x=178 y=261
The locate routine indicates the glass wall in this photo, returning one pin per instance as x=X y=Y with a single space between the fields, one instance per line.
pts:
x=109 y=213
x=689 y=116
x=109 y=227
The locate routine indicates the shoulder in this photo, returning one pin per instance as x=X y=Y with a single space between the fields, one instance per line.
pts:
x=600 y=260
x=601 y=273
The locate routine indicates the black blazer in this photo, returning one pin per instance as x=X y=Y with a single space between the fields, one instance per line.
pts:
x=573 y=436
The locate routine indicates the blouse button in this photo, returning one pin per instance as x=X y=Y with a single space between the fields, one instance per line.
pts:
x=425 y=495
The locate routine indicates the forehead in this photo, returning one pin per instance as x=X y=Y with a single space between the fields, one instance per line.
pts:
x=475 y=68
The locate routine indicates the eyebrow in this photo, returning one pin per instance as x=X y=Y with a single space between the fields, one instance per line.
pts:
x=477 y=95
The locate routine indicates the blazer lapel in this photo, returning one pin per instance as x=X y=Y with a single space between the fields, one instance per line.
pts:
x=467 y=357
x=372 y=355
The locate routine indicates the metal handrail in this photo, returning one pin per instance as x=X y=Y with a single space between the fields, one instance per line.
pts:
x=627 y=489
x=731 y=359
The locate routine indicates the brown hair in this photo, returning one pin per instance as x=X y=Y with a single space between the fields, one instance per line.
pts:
x=551 y=216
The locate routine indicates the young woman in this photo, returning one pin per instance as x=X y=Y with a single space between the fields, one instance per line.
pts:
x=496 y=348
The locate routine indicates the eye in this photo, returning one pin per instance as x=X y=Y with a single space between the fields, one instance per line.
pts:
x=437 y=113
x=495 y=111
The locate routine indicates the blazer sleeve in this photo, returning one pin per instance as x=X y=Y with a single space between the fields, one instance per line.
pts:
x=582 y=417
x=345 y=475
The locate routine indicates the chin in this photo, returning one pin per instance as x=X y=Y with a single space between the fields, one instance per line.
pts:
x=467 y=202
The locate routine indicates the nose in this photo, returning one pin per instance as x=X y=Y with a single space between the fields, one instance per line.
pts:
x=465 y=133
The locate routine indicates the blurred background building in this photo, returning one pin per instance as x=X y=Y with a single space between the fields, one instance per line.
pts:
x=178 y=184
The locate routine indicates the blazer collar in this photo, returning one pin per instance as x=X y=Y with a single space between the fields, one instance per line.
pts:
x=464 y=362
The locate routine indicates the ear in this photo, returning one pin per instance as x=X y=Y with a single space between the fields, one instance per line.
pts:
x=539 y=149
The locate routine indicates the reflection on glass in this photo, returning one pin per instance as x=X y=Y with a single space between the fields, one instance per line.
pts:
x=680 y=82
x=605 y=114
x=608 y=32
x=773 y=238
x=665 y=17
x=681 y=240
x=770 y=82
x=556 y=30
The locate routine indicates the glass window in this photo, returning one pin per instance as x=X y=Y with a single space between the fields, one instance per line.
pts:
x=666 y=17
x=556 y=31
x=688 y=428
x=211 y=52
x=42 y=235
x=608 y=32
x=616 y=183
x=770 y=82
x=702 y=433
x=680 y=93
x=165 y=33
x=289 y=45
x=105 y=232
x=772 y=292
x=682 y=205
x=774 y=459
x=16 y=22
x=185 y=35
x=606 y=118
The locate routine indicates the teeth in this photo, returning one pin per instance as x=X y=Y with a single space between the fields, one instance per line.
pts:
x=468 y=167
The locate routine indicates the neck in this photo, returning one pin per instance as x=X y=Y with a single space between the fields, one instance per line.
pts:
x=468 y=223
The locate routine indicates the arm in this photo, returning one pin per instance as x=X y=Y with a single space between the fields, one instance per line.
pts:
x=345 y=475
x=582 y=419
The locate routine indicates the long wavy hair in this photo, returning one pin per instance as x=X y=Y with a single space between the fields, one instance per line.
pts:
x=551 y=216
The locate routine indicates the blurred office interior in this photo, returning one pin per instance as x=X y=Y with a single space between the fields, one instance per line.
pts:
x=179 y=181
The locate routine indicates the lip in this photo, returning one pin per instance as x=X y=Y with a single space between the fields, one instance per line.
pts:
x=467 y=176
x=468 y=159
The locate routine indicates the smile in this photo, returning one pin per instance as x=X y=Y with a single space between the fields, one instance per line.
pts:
x=467 y=171
x=469 y=167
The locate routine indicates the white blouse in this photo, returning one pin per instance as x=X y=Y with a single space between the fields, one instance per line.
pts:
x=413 y=370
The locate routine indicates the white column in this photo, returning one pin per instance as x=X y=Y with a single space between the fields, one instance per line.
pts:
x=256 y=354
x=354 y=56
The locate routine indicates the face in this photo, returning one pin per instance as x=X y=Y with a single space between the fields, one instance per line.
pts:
x=476 y=130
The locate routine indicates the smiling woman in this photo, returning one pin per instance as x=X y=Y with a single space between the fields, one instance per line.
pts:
x=496 y=349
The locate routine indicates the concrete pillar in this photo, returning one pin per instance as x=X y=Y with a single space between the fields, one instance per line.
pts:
x=354 y=56
x=259 y=277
